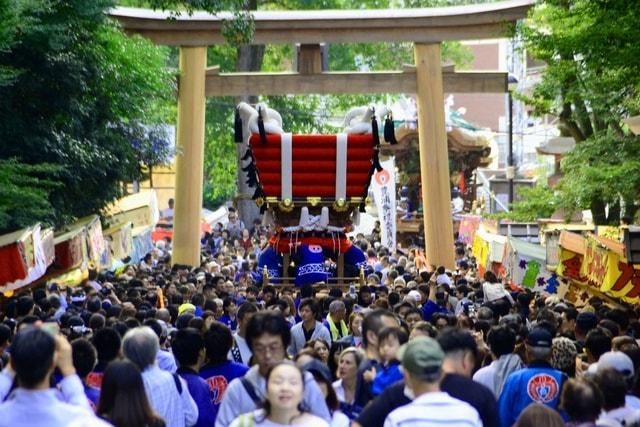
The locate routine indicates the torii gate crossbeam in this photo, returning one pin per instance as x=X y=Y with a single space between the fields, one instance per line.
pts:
x=425 y=27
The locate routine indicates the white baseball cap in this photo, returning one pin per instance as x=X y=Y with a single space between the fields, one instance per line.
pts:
x=616 y=360
x=417 y=297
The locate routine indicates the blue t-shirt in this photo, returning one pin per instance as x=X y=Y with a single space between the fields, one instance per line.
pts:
x=231 y=324
x=93 y=394
x=218 y=378
x=385 y=376
x=202 y=395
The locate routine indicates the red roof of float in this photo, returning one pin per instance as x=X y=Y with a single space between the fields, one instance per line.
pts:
x=313 y=166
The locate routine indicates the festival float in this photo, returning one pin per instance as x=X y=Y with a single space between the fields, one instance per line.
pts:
x=469 y=148
x=312 y=188
x=597 y=265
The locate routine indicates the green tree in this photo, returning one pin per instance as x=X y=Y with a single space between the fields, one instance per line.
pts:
x=24 y=194
x=591 y=83
x=602 y=170
x=533 y=203
x=79 y=93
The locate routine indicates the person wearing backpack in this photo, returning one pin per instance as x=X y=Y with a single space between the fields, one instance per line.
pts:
x=268 y=337
x=167 y=393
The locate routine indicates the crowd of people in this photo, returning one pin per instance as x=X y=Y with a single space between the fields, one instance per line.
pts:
x=158 y=344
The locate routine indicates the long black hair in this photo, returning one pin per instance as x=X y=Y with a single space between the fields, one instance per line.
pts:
x=123 y=400
x=332 y=399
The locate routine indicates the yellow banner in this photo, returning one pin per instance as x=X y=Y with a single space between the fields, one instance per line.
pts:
x=610 y=272
x=480 y=251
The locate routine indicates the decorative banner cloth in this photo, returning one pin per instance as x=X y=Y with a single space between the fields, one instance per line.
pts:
x=383 y=186
x=468 y=226
x=525 y=265
x=273 y=261
x=95 y=240
x=610 y=271
x=142 y=243
x=35 y=257
x=311 y=268
x=480 y=251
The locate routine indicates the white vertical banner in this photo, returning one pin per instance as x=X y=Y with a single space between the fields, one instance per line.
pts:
x=384 y=193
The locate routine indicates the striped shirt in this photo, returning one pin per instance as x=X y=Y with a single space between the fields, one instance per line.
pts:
x=434 y=409
x=177 y=409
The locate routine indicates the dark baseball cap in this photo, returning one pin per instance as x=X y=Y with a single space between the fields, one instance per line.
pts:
x=540 y=337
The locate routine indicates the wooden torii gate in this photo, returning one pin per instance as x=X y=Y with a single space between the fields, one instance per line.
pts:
x=426 y=28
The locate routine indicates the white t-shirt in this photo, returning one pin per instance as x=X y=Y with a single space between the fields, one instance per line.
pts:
x=258 y=419
x=495 y=291
x=167 y=214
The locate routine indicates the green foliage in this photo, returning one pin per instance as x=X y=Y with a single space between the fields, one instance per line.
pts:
x=24 y=194
x=605 y=168
x=190 y=6
x=236 y=31
x=591 y=83
x=9 y=21
x=220 y=164
x=79 y=97
x=593 y=62
x=534 y=202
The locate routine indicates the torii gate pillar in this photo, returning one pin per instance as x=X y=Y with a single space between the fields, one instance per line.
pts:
x=434 y=161
x=189 y=156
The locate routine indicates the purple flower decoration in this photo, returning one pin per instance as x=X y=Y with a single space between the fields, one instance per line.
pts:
x=523 y=264
x=540 y=281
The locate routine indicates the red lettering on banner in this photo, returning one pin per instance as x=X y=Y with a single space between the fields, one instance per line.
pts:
x=571 y=268
x=628 y=274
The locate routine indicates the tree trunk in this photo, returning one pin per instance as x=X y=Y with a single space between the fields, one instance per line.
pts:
x=598 y=212
x=584 y=119
x=630 y=210
x=600 y=216
x=614 y=213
